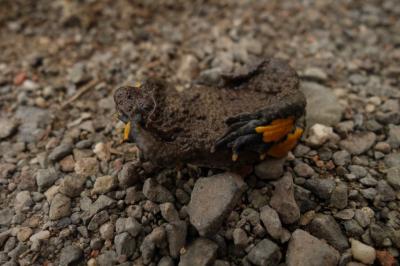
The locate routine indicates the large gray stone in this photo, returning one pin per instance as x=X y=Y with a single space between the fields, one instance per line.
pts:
x=6 y=216
x=201 y=252
x=283 y=200
x=265 y=253
x=358 y=143
x=270 y=169
x=270 y=219
x=70 y=255
x=33 y=122
x=176 y=236
x=393 y=177
x=60 y=207
x=212 y=200
x=45 y=178
x=394 y=136
x=304 y=249
x=125 y=244
x=7 y=127
x=156 y=192
x=325 y=227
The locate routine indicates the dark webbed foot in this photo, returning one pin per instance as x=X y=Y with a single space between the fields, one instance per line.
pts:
x=268 y=132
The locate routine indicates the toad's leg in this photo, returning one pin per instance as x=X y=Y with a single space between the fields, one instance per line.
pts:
x=236 y=131
x=261 y=138
x=250 y=139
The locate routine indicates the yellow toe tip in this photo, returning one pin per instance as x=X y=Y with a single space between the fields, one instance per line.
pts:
x=127 y=131
x=235 y=156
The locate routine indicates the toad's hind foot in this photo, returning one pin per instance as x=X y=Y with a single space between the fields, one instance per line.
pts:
x=281 y=149
x=274 y=139
x=277 y=130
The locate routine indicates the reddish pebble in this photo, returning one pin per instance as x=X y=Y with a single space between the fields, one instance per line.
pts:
x=330 y=165
x=385 y=258
x=20 y=78
x=94 y=253
x=118 y=163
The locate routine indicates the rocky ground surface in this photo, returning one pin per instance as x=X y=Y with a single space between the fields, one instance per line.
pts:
x=72 y=194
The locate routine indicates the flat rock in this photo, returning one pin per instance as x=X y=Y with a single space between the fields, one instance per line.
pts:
x=23 y=201
x=305 y=249
x=322 y=105
x=150 y=242
x=168 y=212
x=156 y=192
x=4 y=236
x=129 y=225
x=304 y=170
x=6 y=170
x=6 y=216
x=392 y=159
x=72 y=185
x=176 y=237
x=325 y=227
x=7 y=127
x=270 y=219
x=385 y=191
x=128 y=176
x=358 y=143
x=394 y=136
x=393 y=177
x=41 y=235
x=104 y=184
x=270 y=169
x=33 y=122
x=361 y=252
x=314 y=73
x=265 y=253
x=60 y=151
x=100 y=204
x=86 y=167
x=70 y=255
x=339 y=197
x=283 y=200
x=45 y=178
x=125 y=244
x=212 y=200
x=201 y=252
x=322 y=187
x=106 y=259
x=60 y=207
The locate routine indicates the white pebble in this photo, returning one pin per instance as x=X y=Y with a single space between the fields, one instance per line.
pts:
x=42 y=235
x=361 y=252
x=319 y=134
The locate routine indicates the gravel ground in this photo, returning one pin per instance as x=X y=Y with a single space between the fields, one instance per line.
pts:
x=72 y=194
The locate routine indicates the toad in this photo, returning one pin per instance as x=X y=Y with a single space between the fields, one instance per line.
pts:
x=246 y=118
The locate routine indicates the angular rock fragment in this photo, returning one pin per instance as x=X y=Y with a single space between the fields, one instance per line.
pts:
x=283 y=200
x=176 y=236
x=212 y=199
x=325 y=227
x=358 y=143
x=304 y=249
x=265 y=253
x=201 y=252
x=270 y=219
